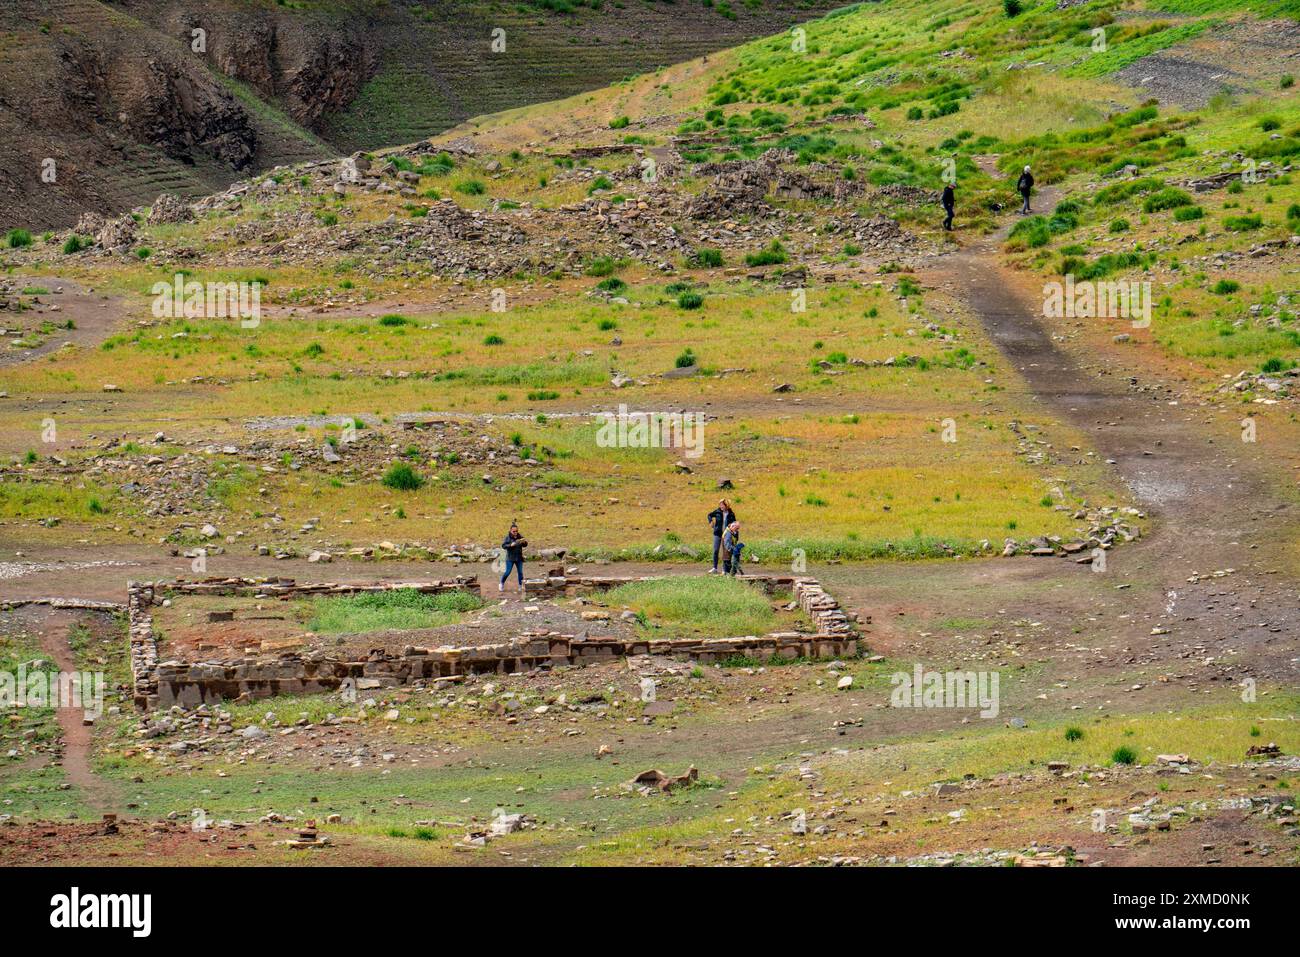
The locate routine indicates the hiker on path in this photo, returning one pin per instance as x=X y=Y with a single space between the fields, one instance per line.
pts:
x=731 y=547
x=720 y=518
x=513 y=546
x=1024 y=186
x=949 y=205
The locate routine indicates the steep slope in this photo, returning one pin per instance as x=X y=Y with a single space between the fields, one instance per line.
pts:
x=133 y=97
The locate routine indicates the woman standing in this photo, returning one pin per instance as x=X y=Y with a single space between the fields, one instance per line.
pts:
x=720 y=519
x=513 y=546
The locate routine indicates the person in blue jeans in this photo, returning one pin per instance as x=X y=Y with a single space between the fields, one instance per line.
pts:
x=732 y=546
x=513 y=546
x=720 y=518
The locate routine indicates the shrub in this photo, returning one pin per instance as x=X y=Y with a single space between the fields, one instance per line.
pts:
x=600 y=266
x=1119 y=225
x=1073 y=734
x=690 y=300
x=612 y=284
x=1225 y=287
x=17 y=238
x=771 y=255
x=72 y=245
x=471 y=187
x=393 y=319
x=619 y=123
x=1242 y=224
x=492 y=339
x=706 y=259
x=1168 y=198
x=1123 y=755
x=1185 y=214
x=1012 y=8
x=402 y=477
x=1122 y=191
x=686 y=359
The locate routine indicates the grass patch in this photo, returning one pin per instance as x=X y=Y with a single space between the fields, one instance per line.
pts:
x=400 y=608
x=715 y=606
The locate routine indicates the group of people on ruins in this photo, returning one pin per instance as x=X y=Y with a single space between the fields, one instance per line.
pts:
x=727 y=546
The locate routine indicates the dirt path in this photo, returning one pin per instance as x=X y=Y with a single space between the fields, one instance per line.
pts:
x=76 y=733
x=1216 y=503
x=93 y=315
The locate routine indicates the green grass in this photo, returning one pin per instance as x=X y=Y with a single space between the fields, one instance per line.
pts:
x=402 y=477
x=710 y=605
x=401 y=608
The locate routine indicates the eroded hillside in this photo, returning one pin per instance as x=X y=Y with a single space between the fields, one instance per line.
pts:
x=129 y=98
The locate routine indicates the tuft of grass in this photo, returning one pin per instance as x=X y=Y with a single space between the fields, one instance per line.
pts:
x=771 y=255
x=402 y=477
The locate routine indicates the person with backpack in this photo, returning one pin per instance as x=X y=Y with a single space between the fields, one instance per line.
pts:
x=1025 y=186
x=949 y=202
x=720 y=518
x=732 y=547
x=513 y=547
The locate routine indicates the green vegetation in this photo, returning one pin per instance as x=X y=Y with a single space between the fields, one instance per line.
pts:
x=402 y=477
x=401 y=608
x=703 y=605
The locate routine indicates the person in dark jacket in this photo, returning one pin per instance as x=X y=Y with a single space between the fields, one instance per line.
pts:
x=720 y=518
x=513 y=546
x=1024 y=186
x=949 y=204
x=731 y=548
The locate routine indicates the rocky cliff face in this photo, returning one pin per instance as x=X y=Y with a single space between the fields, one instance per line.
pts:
x=310 y=66
x=132 y=98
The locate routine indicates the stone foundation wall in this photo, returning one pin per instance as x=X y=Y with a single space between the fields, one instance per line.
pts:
x=164 y=683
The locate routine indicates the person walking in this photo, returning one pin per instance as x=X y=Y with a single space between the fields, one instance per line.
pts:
x=732 y=546
x=949 y=205
x=720 y=518
x=513 y=546
x=1025 y=186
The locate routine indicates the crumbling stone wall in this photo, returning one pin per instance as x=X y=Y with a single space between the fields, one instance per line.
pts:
x=162 y=684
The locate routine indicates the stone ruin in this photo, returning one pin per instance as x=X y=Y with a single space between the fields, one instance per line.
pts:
x=161 y=684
